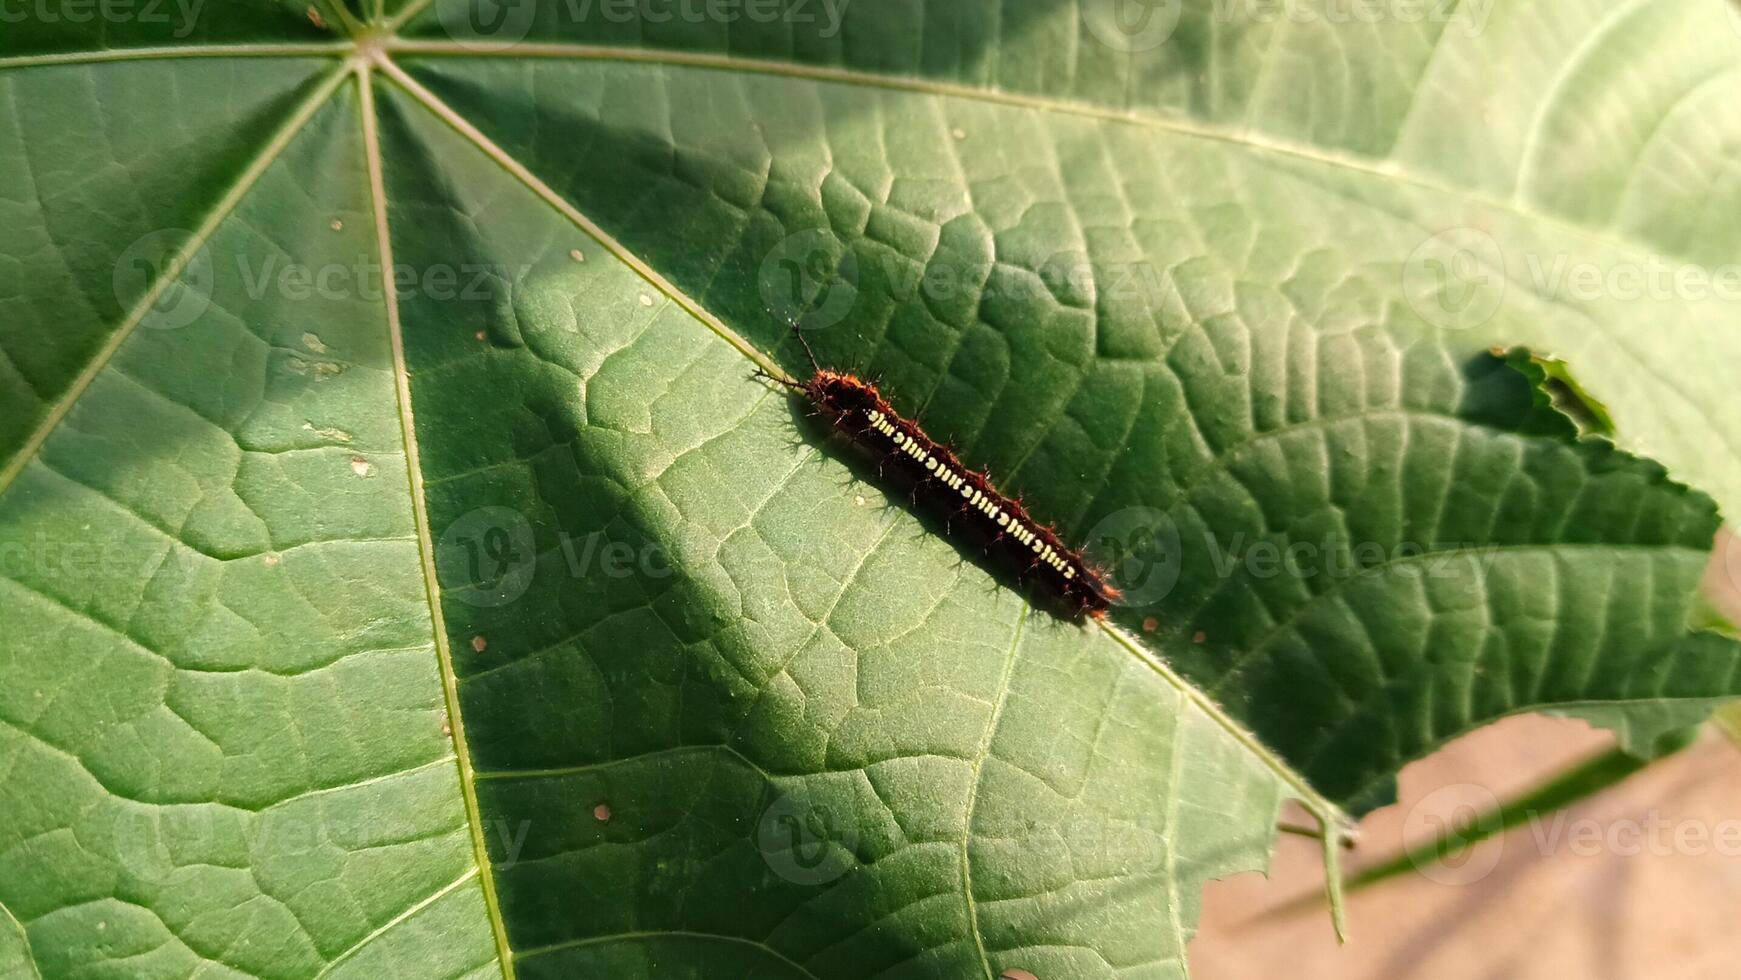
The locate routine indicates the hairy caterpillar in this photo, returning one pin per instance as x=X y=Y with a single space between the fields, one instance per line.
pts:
x=857 y=410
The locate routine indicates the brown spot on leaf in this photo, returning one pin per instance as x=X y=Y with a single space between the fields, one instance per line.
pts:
x=1150 y=624
x=602 y=813
x=320 y=369
x=361 y=466
x=1199 y=636
x=479 y=643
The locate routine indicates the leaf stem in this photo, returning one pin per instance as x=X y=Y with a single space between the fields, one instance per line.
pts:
x=1332 y=847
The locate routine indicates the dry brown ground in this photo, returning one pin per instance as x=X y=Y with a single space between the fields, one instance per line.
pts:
x=1531 y=905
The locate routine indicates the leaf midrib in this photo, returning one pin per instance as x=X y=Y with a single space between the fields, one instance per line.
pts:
x=420 y=514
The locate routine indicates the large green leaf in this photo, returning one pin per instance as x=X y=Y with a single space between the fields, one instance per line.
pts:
x=404 y=571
